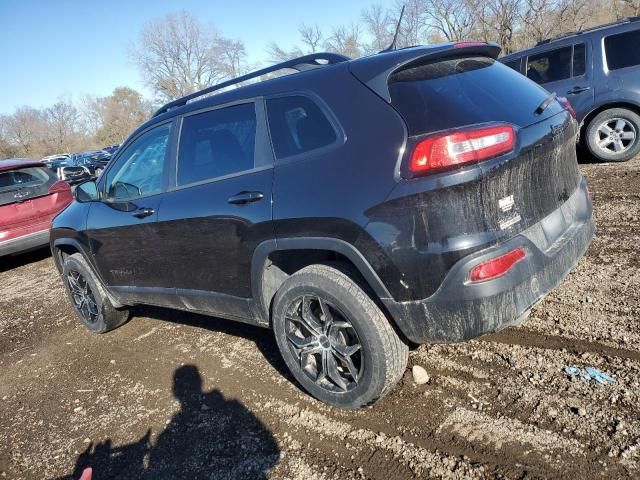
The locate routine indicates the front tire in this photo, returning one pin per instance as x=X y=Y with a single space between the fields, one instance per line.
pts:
x=88 y=297
x=614 y=135
x=335 y=340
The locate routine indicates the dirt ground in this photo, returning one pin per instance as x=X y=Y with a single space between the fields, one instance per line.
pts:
x=176 y=395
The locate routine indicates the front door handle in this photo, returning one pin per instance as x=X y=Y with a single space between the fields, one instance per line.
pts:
x=243 y=198
x=576 y=90
x=143 y=212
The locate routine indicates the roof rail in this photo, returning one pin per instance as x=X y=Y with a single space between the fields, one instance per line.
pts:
x=306 y=62
x=586 y=30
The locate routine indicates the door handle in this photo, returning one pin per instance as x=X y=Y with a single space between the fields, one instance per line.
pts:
x=143 y=212
x=243 y=198
x=576 y=90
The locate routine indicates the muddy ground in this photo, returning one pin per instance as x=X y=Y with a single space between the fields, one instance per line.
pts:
x=176 y=395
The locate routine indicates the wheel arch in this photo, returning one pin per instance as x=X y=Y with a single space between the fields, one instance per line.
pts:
x=635 y=108
x=63 y=247
x=275 y=260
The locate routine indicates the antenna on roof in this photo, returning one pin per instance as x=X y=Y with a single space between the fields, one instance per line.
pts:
x=392 y=47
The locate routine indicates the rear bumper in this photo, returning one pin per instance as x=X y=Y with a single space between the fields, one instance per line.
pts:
x=460 y=310
x=24 y=243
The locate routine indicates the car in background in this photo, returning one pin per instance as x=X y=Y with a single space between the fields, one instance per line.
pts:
x=598 y=70
x=30 y=196
x=79 y=167
x=111 y=148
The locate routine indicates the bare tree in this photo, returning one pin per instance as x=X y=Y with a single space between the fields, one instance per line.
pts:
x=25 y=130
x=178 y=55
x=378 y=24
x=115 y=116
x=277 y=54
x=498 y=21
x=311 y=37
x=62 y=126
x=413 y=25
x=345 y=40
x=453 y=19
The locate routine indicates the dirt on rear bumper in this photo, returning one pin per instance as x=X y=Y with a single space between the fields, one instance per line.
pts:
x=460 y=310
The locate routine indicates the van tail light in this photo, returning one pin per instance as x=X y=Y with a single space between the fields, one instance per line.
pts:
x=460 y=147
x=567 y=106
x=496 y=267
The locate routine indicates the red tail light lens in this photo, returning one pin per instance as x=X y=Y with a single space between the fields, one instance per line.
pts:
x=496 y=267
x=59 y=186
x=460 y=147
x=567 y=106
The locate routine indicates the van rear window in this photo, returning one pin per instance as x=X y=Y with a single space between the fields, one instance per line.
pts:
x=455 y=92
x=622 y=50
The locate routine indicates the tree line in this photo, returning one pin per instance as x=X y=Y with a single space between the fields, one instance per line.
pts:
x=179 y=54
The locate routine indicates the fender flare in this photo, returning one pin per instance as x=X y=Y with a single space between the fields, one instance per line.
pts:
x=264 y=249
x=78 y=246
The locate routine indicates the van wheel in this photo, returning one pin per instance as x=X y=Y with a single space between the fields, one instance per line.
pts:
x=614 y=135
x=335 y=340
x=88 y=297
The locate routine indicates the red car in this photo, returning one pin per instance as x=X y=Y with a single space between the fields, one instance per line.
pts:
x=30 y=196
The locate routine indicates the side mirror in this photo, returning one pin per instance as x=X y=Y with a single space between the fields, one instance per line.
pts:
x=86 y=191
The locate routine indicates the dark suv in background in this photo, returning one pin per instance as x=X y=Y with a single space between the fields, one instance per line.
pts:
x=429 y=194
x=598 y=70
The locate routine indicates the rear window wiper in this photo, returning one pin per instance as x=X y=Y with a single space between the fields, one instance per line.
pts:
x=545 y=103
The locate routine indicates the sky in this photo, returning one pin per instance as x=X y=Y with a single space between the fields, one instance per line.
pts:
x=69 y=48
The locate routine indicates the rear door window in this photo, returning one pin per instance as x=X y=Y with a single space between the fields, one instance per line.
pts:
x=550 y=66
x=456 y=92
x=298 y=125
x=579 y=59
x=622 y=50
x=217 y=143
x=24 y=183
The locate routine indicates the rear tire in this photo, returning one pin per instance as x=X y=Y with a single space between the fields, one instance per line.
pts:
x=89 y=298
x=335 y=340
x=614 y=135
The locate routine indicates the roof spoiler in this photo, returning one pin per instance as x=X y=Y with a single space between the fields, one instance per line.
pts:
x=374 y=71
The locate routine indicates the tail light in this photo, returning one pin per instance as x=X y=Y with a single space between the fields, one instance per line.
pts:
x=496 y=267
x=59 y=186
x=567 y=106
x=468 y=44
x=460 y=147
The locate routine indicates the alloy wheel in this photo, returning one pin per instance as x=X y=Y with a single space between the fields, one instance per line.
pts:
x=325 y=343
x=616 y=135
x=82 y=296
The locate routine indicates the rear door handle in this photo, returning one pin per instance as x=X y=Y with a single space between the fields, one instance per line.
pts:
x=243 y=198
x=143 y=212
x=576 y=90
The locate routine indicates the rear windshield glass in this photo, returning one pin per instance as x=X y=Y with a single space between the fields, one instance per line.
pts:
x=464 y=91
x=24 y=183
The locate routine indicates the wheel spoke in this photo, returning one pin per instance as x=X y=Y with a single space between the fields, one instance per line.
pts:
x=309 y=319
x=620 y=124
x=605 y=130
x=605 y=143
x=353 y=371
x=334 y=373
x=628 y=135
x=617 y=145
x=327 y=317
x=301 y=342
x=345 y=351
x=322 y=371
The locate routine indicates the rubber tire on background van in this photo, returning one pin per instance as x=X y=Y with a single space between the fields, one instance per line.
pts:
x=381 y=358
x=99 y=316
x=631 y=123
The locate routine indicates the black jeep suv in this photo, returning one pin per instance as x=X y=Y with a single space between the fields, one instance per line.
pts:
x=599 y=71
x=429 y=194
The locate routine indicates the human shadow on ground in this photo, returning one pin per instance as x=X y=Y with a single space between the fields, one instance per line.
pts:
x=209 y=437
